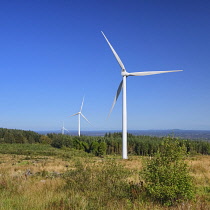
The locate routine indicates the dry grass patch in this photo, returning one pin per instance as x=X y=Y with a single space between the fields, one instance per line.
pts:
x=200 y=169
x=16 y=165
x=43 y=190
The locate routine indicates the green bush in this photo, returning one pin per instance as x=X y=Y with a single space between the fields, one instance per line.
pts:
x=166 y=175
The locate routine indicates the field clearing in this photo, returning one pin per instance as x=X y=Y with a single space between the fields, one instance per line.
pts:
x=35 y=181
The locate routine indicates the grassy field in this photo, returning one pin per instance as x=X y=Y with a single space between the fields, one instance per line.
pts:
x=41 y=177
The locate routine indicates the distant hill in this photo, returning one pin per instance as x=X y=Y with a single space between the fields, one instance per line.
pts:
x=183 y=134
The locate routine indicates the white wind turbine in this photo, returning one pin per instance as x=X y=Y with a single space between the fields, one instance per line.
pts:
x=63 y=129
x=80 y=113
x=122 y=85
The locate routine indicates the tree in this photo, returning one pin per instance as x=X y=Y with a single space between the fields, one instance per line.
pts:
x=9 y=137
x=102 y=148
x=45 y=140
x=166 y=175
x=94 y=148
x=19 y=138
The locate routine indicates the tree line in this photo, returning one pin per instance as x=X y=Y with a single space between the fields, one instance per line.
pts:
x=110 y=143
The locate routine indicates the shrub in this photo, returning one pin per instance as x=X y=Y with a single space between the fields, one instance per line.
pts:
x=166 y=175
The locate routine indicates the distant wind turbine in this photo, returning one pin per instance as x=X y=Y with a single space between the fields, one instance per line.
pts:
x=80 y=113
x=63 y=129
x=122 y=85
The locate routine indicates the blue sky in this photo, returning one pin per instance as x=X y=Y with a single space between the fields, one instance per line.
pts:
x=52 y=53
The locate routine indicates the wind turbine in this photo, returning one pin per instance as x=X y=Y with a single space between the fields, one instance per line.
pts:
x=80 y=113
x=63 y=129
x=122 y=86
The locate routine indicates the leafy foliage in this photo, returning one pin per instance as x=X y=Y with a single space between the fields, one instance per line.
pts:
x=166 y=175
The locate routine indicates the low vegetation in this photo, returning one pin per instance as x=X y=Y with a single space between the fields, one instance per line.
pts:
x=73 y=176
x=166 y=176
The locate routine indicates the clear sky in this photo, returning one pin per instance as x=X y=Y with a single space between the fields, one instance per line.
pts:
x=52 y=53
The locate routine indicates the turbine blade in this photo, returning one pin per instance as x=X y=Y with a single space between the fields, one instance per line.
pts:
x=82 y=103
x=85 y=119
x=114 y=52
x=74 y=114
x=116 y=97
x=145 y=73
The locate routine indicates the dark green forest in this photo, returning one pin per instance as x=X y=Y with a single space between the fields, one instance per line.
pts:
x=109 y=144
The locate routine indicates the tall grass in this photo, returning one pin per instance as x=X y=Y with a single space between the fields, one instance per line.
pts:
x=102 y=184
x=59 y=181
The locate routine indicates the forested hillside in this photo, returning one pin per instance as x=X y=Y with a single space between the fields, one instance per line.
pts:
x=109 y=144
x=18 y=136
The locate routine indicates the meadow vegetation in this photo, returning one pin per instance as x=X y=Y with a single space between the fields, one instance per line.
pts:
x=41 y=176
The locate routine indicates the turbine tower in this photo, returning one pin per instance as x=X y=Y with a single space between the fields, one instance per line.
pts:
x=122 y=86
x=80 y=113
x=63 y=129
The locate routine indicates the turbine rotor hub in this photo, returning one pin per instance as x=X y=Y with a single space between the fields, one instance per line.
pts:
x=124 y=73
